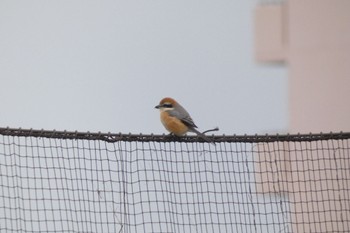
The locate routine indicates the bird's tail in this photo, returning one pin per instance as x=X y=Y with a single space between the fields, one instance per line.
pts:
x=202 y=136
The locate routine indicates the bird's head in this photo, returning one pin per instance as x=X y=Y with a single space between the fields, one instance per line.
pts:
x=166 y=104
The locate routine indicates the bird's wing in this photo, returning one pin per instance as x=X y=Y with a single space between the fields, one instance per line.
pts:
x=183 y=115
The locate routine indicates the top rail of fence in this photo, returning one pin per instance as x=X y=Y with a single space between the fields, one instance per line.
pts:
x=115 y=137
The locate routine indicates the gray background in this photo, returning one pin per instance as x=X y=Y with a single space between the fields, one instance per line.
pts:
x=104 y=65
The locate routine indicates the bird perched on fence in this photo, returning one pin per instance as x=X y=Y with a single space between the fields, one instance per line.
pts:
x=176 y=119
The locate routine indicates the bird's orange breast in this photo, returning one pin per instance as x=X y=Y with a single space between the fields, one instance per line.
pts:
x=173 y=124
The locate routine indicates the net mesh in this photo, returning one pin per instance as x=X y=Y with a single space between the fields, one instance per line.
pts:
x=85 y=182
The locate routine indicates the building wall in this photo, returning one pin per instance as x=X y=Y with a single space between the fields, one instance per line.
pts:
x=319 y=65
x=315 y=47
x=313 y=39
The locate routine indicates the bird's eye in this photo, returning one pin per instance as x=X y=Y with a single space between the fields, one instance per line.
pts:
x=167 y=105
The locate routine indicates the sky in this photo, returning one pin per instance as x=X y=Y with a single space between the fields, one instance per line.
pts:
x=104 y=65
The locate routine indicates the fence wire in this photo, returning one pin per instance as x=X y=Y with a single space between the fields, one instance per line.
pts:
x=94 y=182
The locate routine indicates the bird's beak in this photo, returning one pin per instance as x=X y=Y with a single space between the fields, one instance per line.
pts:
x=158 y=106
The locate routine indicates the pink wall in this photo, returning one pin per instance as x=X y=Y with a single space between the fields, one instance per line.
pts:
x=313 y=39
x=319 y=65
x=270 y=34
x=315 y=45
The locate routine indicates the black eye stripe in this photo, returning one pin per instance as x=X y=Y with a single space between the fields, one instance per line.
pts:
x=167 y=105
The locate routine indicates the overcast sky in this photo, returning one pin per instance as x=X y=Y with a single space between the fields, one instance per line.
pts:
x=104 y=65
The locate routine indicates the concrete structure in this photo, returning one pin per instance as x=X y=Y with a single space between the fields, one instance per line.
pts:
x=312 y=38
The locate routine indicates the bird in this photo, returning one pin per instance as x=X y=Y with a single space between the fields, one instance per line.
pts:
x=176 y=119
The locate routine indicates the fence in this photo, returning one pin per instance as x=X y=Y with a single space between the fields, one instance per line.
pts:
x=94 y=182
